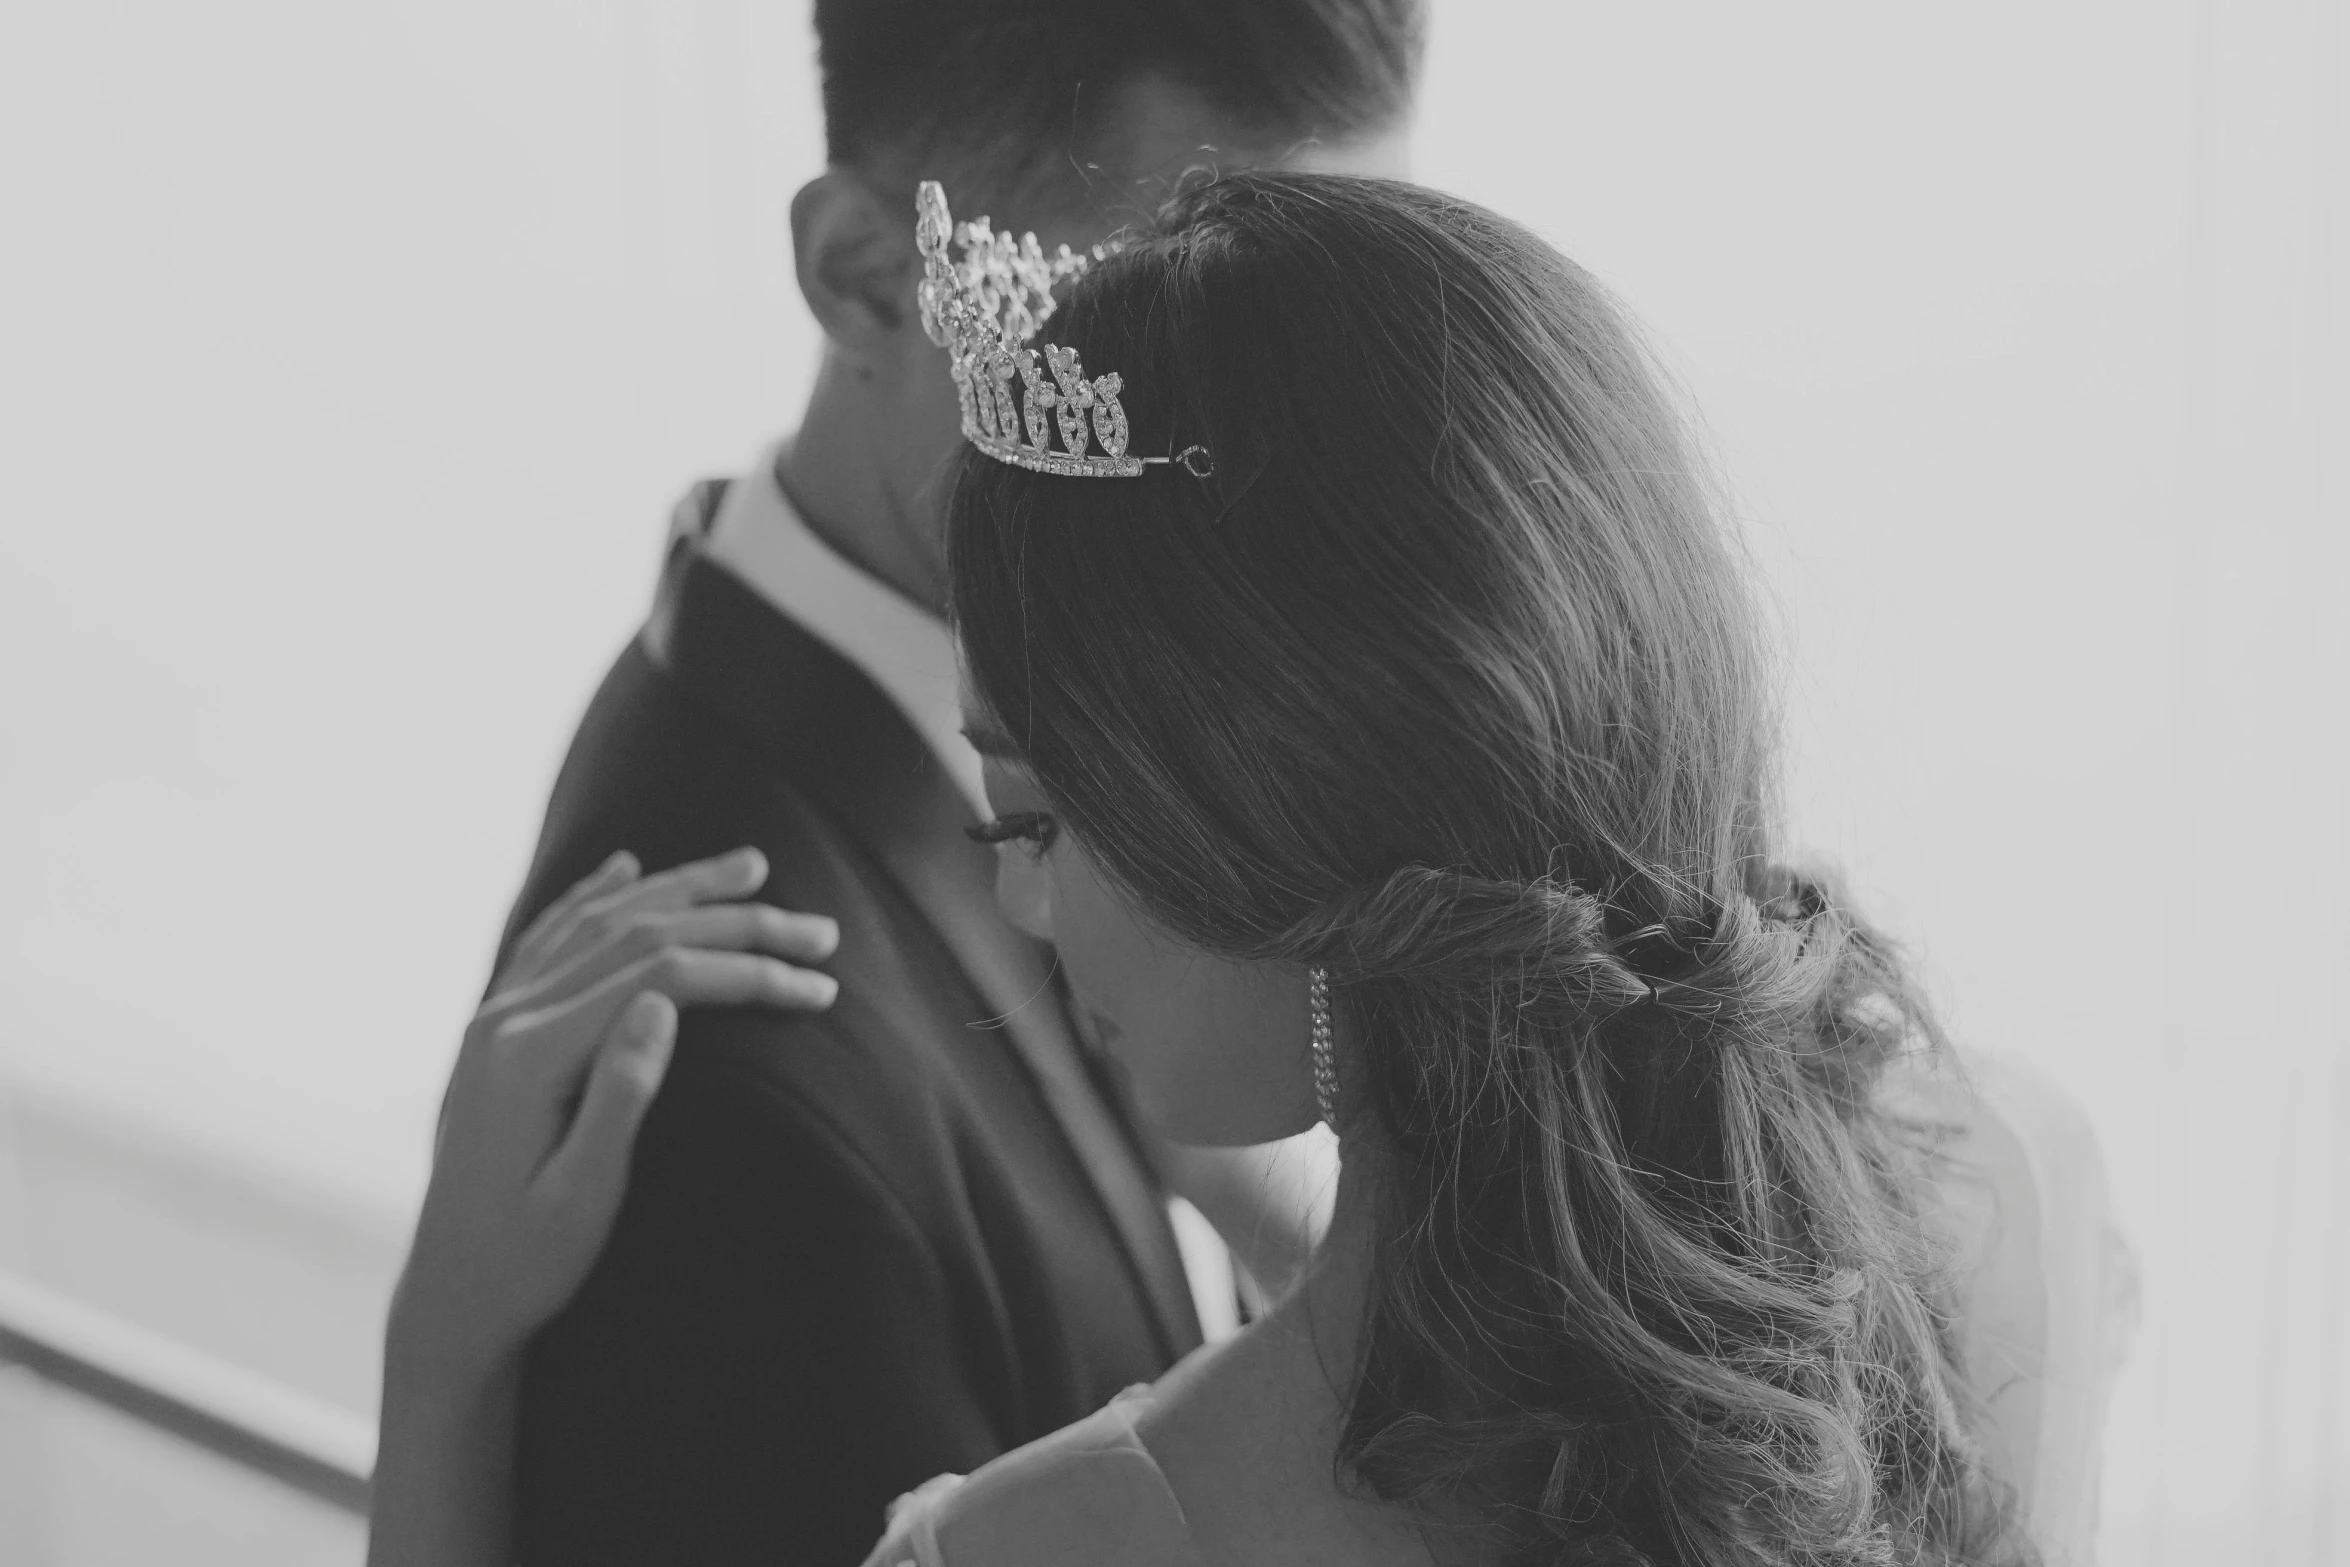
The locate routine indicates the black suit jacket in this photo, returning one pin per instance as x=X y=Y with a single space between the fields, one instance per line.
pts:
x=858 y=1249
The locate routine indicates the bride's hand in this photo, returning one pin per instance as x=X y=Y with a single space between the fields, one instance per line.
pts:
x=552 y=1079
x=615 y=911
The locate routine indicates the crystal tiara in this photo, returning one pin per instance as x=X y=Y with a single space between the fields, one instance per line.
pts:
x=983 y=308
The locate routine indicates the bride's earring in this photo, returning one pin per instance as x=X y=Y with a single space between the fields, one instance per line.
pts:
x=1325 y=1053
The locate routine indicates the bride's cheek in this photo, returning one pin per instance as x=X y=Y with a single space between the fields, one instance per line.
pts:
x=1024 y=891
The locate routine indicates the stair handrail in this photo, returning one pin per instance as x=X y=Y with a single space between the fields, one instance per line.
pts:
x=315 y=1447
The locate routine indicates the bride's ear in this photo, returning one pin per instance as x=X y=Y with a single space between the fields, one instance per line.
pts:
x=856 y=261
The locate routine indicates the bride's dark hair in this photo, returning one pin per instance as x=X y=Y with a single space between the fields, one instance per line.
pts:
x=1448 y=678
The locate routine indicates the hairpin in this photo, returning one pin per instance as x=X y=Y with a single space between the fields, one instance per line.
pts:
x=983 y=308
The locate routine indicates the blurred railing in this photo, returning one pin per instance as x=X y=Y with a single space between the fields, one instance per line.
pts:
x=303 y=1442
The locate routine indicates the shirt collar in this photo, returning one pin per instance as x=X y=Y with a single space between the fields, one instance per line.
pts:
x=760 y=537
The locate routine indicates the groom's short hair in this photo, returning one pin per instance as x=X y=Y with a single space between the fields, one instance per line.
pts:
x=1021 y=97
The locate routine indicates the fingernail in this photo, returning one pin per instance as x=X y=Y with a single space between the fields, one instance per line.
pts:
x=644 y=1013
x=828 y=934
x=829 y=991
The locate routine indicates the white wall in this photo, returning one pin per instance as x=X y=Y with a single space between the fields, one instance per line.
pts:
x=353 y=357
x=350 y=356
x=2024 y=328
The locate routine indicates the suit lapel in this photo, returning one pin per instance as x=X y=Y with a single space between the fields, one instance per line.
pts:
x=827 y=728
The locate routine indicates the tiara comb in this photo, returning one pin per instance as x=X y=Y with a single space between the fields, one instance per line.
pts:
x=983 y=307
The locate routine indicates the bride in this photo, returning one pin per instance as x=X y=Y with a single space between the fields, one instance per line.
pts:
x=1392 y=745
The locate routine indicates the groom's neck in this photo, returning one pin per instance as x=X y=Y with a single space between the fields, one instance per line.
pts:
x=846 y=474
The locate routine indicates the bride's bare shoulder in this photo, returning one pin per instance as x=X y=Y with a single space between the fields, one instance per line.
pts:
x=1227 y=1459
x=1246 y=1437
x=1089 y=1495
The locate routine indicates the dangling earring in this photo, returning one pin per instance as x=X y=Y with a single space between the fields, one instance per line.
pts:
x=1325 y=1053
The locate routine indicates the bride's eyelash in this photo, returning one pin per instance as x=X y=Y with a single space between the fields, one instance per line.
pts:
x=1019 y=827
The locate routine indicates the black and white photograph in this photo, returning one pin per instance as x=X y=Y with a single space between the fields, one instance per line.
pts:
x=1175 y=783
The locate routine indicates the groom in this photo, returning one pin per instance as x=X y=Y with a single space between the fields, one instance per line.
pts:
x=898 y=1239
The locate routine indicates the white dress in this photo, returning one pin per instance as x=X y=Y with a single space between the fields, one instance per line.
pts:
x=2049 y=1291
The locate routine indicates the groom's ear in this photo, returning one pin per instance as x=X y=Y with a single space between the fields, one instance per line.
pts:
x=856 y=262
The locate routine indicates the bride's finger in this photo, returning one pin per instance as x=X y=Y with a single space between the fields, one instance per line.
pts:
x=556 y=917
x=689 y=977
x=693 y=976
x=726 y=927
x=749 y=927
x=735 y=874
x=588 y=1170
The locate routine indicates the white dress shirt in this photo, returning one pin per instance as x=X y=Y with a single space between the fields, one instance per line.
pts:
x=760 y=537
x=903 y=648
